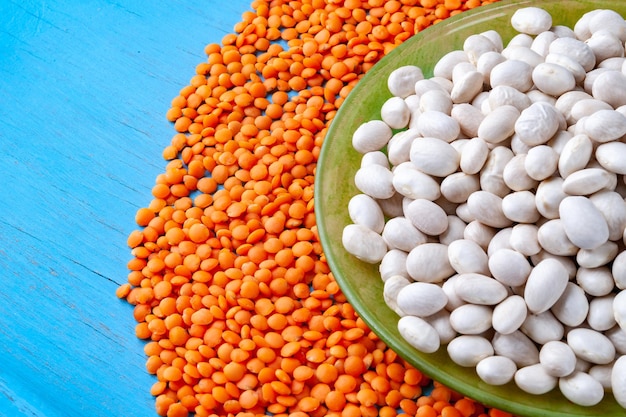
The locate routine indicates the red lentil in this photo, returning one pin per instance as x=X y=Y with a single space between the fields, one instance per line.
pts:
x=228 y=280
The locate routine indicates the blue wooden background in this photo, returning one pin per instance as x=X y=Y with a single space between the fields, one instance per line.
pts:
x=84 y=87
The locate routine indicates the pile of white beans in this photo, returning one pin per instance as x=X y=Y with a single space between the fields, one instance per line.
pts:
x=492 y=194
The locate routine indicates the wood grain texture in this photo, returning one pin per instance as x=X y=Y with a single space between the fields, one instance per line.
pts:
x=84 y=87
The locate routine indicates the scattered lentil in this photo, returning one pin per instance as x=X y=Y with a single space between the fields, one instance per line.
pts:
x=229 y=284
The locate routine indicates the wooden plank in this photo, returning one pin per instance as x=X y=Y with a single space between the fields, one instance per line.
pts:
x=84 y=88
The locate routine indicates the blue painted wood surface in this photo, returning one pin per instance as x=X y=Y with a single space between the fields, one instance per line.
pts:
x=84 y=87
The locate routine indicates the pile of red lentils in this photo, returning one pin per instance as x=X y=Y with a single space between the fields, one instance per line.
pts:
x=229 y=283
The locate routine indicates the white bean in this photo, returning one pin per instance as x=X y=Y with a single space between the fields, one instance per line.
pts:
x=364 y=210
x=462 y=212
x=557 y=358
x=612 y=156
x=613 y=208
x=421 y=299
x=591 y=345
x=401 y=80
x=436 y=124
x=613 y=63
x=572 y=307
x=466 y=256
x=618 y=381
x=419 y=334
x=502 y=95
x=375 y=180
x=371 y=136
x=595 y=281
x=531 y=20
x=491 y=174
x=474 y=155
x=543 y=327
x=610 y=86
x=537 y=123
x=391 y=288
x=554 y=240
x=429 y=263
x=605 y=45
x=500 y=240
x=496 y=370
x=509 y=267
x=581 y=388
x=413 y=183
x=443 y=67
x=395 y=113
x=568 y=100
x=583 y=223
x=541 y=42
x=602 y=374
x=524 y=239
x=593 y=258
x=499 y=124
x=434 y=156
x=523 y=53
x=393 y=263
x=425 y=85
x=468 y=350
x=517 y=347
x=399 y=233
x=515 y=175
x=392 y=206
x=605 y=126
x=495 y=38
x=545 y=284
x=567 y=262
x=521 y=39
x=479 y=233
x=601 y=315
x=591 y=78
x=476 y=45
x=509 y=315
x=374 y=158
x=363 y=243
x=436 y=100
x=427 y=216
x=610 y=20
x=576 y=49
x=457 y=187
x=536 y=96
x=553 y=79
x=455 y=230
x=471 y=319
x=588 y=181
x=466 y=86
x=575 y=155
x=399 y=146
x=569 y=64
x=541 y=162
x=441 y=323
x=479 y=289
x=562 y=31
x=448 y=287
x=534 y=379
x=487 y=208
x=581 y=27
x=512 y=73
x=486 y=62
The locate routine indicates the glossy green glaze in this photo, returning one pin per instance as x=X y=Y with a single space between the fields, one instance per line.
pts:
x=334 y=187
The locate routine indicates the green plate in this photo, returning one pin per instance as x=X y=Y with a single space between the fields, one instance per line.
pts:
x=334 y=186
